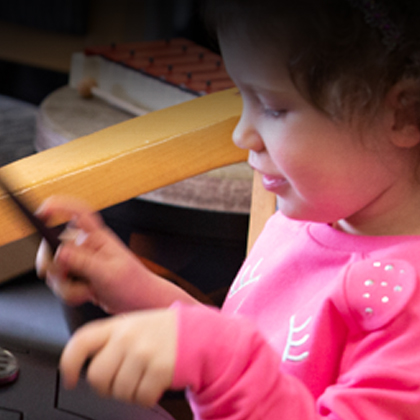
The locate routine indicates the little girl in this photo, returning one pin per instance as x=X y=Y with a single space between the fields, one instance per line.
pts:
x=323 y=319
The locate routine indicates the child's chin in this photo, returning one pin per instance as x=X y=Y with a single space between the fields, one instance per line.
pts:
x=296 y=213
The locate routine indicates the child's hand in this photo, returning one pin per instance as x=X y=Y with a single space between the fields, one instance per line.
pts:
x=132 y=356
x=108 y=272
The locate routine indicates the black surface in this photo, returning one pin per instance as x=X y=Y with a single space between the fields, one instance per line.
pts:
x=64 y=16
x=29 y=83
x=33 y=328
x=206 y=248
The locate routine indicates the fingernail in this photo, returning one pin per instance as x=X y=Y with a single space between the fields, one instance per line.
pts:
x=60 y=254
x=78 y=236
x=81 y=237
x=40 y=209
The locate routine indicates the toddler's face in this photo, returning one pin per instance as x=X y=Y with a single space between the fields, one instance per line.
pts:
x=321 y=170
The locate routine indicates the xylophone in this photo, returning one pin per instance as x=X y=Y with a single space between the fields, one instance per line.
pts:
x=137 y=78
x=151 y=74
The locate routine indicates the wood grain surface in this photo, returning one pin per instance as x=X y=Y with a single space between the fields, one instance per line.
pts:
x=128 y=159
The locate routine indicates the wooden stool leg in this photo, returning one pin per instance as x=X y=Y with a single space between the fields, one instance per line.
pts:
x=263 y=205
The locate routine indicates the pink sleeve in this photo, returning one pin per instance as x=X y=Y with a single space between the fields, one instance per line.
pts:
x=232 y=373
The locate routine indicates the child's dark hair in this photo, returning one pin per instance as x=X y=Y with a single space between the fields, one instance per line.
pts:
x=339 y=56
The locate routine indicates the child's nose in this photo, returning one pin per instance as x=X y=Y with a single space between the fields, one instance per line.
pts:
x=245 y=135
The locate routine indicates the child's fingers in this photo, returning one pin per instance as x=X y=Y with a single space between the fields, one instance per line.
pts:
x=75 y=287
x=133 y=356
x=135 y=366
x=95 y=240
x=158 y=372
x=80 y=261
x=70 y=208
x=104 y=367
x=86 y=342
x=151 y=387
x=73 y=292
x=43 y=259
x=127 y=379
x=70 y=236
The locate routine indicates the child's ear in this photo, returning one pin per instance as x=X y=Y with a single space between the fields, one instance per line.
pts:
x=403 y=102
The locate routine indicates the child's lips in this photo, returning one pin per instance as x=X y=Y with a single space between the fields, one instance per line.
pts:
x=273 y=183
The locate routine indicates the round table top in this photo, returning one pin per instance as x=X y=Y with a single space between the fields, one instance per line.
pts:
x=65 y=116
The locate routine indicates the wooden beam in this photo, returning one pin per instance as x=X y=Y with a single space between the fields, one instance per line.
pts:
x=128 y=159
x=263 y=206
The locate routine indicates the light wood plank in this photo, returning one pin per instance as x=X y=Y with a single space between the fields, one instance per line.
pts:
x=128 y=159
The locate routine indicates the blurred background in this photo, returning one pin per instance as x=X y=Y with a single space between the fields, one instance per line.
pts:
x=38 y=37
x=37 y=41
x=204 y=247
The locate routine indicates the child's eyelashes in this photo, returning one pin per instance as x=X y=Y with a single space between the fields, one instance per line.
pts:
x=274 y=113
x=263 y=106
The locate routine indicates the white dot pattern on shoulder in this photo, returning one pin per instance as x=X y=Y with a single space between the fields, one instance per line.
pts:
x=377 y=291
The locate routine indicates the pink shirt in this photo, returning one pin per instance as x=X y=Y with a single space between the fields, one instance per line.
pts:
x=317 y=324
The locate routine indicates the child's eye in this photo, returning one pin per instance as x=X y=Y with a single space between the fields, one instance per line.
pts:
x=274 y=113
